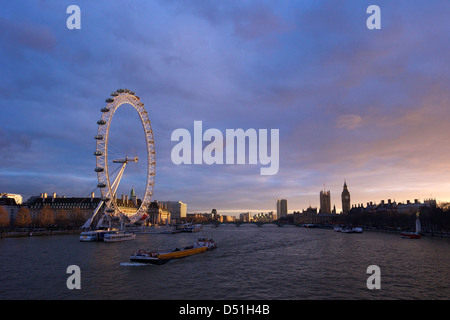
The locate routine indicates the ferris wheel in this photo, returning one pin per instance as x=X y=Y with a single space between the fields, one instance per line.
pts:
x=107 y=182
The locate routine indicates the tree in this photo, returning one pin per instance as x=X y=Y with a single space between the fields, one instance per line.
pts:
x=77 y=218
x=4 y=218
x=23 y=218
x=46 y=217
x=62 y=218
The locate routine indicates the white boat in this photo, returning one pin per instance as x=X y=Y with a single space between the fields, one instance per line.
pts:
x=119 y=236
x=414 y=235
x=187 y=227
x=351 y=230
x=193 y=228
x=95 y=235
x=347 y=229
x=151 y=229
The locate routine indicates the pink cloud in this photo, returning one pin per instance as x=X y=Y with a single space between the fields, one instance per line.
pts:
x=349 y=121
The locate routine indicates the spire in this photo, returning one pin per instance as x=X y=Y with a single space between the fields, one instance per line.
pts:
x=132 y=193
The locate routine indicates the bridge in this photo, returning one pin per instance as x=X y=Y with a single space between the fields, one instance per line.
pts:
x=257 y=223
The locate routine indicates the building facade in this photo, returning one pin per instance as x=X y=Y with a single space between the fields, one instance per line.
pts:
x=17 y=197
x=177 y=209
x=11 y=208
x=158 y=214
x=75 y=209
x=245 y=217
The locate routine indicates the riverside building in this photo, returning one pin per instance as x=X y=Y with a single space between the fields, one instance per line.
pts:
x=282 y=210
x=177 y=209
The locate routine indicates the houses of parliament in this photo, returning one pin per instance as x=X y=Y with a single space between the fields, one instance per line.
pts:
x=325 y=201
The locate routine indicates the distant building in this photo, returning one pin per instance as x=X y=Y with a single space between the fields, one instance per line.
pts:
x=245 y=217
x=227 y=218
x=17 y=197
x=393 y=206
x=345 y=197
x=129 y=205
x=158 y=213
x=325 y=202
x=282 y=210
x=177 y=209
x=306 y=216
x=60 y=204
x=11 y=207
x=263 y=217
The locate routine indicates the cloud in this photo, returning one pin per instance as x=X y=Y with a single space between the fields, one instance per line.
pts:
x=349 y=103
x=349 y=121
x=25 y=35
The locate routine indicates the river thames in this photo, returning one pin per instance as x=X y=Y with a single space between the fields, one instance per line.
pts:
x=250 y=263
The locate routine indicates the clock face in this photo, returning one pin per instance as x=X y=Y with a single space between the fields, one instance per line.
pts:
x=346 y=197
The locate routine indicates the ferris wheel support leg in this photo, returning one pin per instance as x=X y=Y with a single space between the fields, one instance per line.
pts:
x=88 y=223
x=116 y=181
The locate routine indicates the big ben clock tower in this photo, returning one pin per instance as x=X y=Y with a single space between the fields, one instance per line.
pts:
x=345 y=199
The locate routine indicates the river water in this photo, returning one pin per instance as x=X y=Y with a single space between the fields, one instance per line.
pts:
x=250 y=263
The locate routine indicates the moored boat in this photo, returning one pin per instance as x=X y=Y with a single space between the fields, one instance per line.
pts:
x=95 y=235
x=348 y=229
x=417 y=233
x=187 y=227
x=193 y=228
x=201 y=245
x=119 y=236
x=411 y=235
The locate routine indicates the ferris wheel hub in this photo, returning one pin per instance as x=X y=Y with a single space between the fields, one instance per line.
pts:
x=126 y=160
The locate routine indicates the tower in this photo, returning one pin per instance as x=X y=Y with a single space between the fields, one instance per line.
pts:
x=133 y=197
x=281 y=208
x=345 y=196
x=325 y=202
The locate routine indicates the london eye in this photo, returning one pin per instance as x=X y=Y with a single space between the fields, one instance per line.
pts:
x=112 y=158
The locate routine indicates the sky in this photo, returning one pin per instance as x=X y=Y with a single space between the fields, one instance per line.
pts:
x=369 y=107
